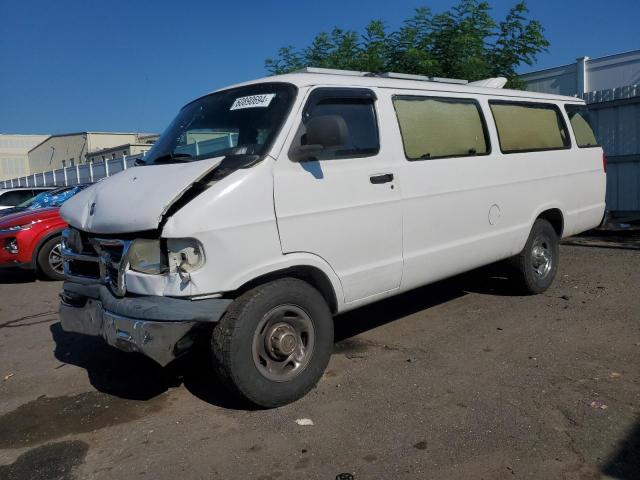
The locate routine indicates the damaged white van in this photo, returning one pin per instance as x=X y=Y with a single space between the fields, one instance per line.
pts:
x=268 y=207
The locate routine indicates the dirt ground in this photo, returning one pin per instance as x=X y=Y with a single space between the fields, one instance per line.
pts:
x=459 y=380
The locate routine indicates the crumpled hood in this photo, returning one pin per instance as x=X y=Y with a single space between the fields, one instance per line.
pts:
x=135 y=199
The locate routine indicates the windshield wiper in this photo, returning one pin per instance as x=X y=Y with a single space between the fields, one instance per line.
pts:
x=172 y=158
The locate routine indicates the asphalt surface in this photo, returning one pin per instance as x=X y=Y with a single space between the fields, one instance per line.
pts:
x=461 y=379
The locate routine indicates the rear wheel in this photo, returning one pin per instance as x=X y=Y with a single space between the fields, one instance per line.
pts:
x=274 y=342
x=537 y=264
x=49 y=261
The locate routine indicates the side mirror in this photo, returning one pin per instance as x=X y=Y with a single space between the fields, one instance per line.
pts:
x=323 y=131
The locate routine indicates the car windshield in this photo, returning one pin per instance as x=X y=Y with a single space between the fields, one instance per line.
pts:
x=54 y=198
x=239 y=121
x=28 y=202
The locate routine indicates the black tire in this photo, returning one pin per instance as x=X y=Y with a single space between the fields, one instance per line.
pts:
x=245 y=328
x=44 y=259
x=534 y=274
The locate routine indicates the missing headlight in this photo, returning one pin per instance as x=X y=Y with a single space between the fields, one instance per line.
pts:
x=184 y=254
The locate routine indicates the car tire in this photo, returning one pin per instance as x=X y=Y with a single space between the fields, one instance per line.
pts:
x=49 y=260
x=274 y=342
x=537 y=264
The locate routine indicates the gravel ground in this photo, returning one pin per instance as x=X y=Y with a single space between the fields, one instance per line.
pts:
x=461 y=379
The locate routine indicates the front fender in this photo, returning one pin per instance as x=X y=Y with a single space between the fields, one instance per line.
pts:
x=289 y=261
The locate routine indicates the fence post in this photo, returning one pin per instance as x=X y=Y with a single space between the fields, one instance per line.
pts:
x=91 y=172
x=53 y=174
x=64 y=169
x=106 y=167
x=124 y=162
x=35 y=180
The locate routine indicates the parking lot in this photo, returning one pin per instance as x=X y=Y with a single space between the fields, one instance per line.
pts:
x=461 y=379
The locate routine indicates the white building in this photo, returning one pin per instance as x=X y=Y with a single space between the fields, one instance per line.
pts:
x=611 y=87
x=14 y=149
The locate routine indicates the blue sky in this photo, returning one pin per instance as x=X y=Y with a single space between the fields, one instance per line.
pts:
x=129 y=65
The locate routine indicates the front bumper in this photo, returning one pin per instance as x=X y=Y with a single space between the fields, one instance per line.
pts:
x=158 y=327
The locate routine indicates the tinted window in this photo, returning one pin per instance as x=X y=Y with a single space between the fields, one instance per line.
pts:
x=440 y=127
x=15 y=197
x=580 y=119
x=526 y=127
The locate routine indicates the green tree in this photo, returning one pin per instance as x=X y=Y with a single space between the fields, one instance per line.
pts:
x=463 y=42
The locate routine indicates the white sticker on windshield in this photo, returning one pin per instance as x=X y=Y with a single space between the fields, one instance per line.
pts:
x=253 y=101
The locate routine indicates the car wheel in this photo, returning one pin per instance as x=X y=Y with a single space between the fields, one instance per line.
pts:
x=49 y=261
x=274 y=342
x=537 y=264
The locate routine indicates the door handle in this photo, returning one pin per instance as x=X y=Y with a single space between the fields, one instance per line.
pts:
x=381 y=178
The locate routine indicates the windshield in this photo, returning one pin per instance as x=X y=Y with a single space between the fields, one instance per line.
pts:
x=28 y=202
x=54 y=198
x=239 y=121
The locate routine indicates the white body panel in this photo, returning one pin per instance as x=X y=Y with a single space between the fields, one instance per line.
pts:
x=442 y=216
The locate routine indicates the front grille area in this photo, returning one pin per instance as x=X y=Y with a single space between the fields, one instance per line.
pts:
x=89 y=259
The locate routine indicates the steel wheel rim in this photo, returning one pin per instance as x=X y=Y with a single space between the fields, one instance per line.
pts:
x=55 y=258
x=541 y=257
x=283 y=343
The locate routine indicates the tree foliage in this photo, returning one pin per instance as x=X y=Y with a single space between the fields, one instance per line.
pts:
x=463 y=42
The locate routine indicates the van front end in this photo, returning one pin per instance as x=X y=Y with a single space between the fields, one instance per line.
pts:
x=96 y=300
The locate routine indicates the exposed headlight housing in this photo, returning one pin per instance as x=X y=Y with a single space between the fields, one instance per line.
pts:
x=145 y=256
x=185 y=255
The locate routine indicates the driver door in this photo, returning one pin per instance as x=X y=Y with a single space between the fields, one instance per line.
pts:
x=342 y=203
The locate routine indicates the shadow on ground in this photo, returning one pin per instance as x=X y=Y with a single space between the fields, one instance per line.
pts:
x=623 y=240
x=625 y=463
x=135 y=377
x=17 y=275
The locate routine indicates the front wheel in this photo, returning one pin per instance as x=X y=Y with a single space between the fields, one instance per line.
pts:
x=49 y=261
x=274 y=342
x=537 y=264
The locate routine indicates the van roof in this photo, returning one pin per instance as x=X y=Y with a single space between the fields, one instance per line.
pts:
x=303 y=79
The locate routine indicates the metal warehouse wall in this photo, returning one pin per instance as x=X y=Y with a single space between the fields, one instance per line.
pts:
x=617 y=125
x=611 y=87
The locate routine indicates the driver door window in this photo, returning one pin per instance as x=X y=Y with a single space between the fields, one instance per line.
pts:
x=356 y=112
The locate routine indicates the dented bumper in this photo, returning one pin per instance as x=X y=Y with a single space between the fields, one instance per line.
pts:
x=158 y=327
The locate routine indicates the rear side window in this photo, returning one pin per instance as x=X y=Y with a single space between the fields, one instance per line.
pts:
x=13 y=198
x=580 y=120
x=529 y=127
x=440 y=127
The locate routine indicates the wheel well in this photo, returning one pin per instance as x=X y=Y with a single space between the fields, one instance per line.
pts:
x=41 y=242
x=555 y=218
x=313 y=276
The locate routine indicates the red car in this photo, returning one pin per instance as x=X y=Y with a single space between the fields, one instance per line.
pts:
x=31 y=239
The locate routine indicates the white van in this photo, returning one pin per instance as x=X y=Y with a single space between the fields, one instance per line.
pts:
x=268 y=207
